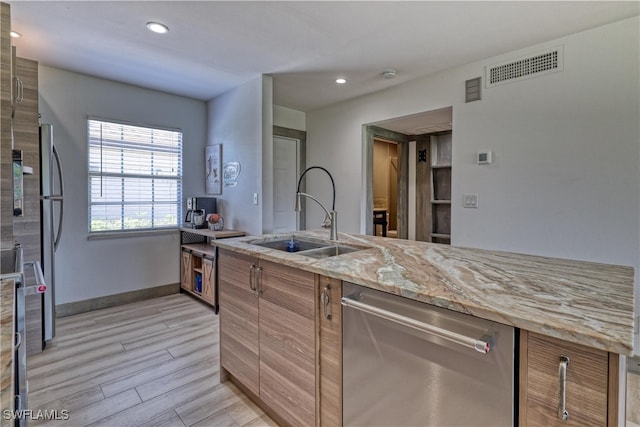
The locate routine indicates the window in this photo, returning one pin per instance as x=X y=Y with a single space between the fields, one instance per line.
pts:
x=135 y=177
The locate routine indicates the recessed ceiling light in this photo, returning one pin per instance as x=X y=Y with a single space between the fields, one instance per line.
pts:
x=157 y=27
x=341 y=81
x=15 y=34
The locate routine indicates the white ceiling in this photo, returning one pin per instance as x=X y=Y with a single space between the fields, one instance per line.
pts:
x=214 y=46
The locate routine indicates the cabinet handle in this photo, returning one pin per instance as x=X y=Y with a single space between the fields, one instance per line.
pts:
x=259 y=281
x=20 y=97
x=16 y=95
x=18 y=341
x=252 y=270
x=326 y=300
x=563 y=414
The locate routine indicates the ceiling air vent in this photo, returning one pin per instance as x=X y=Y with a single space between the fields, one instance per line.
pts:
x=538 y=64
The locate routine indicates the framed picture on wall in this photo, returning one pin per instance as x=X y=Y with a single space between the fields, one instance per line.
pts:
x=213 y=169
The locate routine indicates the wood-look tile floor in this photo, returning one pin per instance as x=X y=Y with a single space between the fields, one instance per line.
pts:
x=151 y=363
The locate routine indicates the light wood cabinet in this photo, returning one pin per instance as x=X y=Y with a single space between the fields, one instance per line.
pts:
x=267 y=334
x=6 y=177
x=329 y=369
x=287 y=342
x=186 y=273
x=239 y=352
x=198 y=272
x=208 y=280
x=590 y=388
x=26 y=228
x=198 y=263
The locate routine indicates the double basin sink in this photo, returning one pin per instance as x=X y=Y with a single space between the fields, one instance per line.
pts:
x=310 y=248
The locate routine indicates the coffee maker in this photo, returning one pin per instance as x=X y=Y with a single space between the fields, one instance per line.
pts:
x=197 y=210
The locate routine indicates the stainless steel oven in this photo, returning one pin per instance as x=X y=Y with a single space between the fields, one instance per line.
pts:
x=407 y=363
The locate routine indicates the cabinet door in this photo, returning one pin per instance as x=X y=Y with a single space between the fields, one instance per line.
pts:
x=540 y=386
x=208 y=280
x=6 y=178
x=328 y=295
x=186 y=272
x=27 y=139
x=239 y=352
x=287 y=343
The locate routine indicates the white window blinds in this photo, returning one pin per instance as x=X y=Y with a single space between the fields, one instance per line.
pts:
x=135 y=177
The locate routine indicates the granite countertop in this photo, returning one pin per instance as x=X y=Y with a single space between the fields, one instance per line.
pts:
x=581 y=302
x=7 y=308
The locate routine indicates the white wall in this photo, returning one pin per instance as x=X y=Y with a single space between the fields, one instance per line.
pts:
x=565 y=181
x=93 y=268
x=238 y=121
x=289 y=118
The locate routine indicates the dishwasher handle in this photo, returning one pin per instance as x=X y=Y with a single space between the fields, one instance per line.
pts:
x=483 y=344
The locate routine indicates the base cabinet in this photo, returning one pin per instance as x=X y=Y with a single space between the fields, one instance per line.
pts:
x=328 y=295
x=281 y=339
x=186 y=272
x=198 y=272
x=239 y=343
x=208 y=279
x=589 y=391
x=267 y=334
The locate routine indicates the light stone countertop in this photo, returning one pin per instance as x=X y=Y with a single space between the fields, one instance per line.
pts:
x=7 y=308
x=581 y=302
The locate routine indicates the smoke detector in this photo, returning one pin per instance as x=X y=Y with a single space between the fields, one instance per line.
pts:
x=389 y=74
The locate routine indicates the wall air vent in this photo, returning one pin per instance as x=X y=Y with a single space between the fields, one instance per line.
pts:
x=538 y=64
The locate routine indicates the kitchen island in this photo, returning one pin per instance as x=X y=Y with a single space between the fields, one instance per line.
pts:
x=581 y=302
x=554 y=303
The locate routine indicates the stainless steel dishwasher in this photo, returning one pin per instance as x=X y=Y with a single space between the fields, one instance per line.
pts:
x=407 y=363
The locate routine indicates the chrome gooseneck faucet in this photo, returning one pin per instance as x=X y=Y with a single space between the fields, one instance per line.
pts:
x=330 y=220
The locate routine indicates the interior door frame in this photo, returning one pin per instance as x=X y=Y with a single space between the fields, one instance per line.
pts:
x=301 y=136
x=370 y=134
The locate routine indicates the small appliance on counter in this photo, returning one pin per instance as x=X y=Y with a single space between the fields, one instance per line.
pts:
x=216 y=223
x=197 y=210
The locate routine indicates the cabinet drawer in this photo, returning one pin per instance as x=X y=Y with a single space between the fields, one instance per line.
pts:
x=587 y=377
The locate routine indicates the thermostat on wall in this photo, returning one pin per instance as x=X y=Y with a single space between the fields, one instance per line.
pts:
x=484 y=157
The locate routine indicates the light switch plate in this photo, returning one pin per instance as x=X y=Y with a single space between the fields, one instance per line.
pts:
x=255 y=198
x=470 y=201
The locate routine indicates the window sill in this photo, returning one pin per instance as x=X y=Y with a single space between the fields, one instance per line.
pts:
x=124 y=234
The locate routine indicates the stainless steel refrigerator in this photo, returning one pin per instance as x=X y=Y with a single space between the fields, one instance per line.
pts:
x=51 y=213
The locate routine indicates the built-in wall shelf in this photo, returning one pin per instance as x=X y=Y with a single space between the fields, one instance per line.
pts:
x=441 y=169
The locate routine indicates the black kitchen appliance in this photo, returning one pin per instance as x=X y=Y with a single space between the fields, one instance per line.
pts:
x=195 y=206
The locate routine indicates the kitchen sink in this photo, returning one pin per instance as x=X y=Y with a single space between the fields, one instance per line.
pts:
x=329 y=251
x=310 y=248
x=284 y=244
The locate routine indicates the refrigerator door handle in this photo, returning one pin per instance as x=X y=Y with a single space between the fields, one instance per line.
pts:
x=59 y=198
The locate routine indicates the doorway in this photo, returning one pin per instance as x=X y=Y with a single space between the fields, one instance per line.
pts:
x=385 y=188
x=423 y=212
x=288 y=163
x=391 y=145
